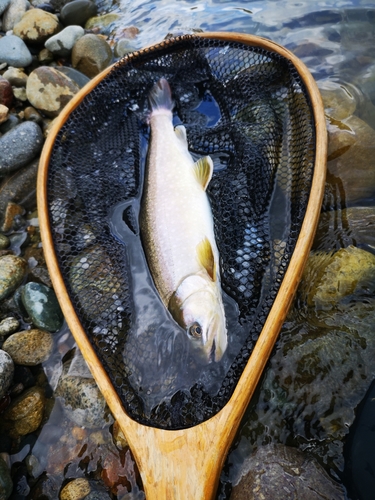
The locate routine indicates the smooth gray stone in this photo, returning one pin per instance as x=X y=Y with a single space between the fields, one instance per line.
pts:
x=6 y=372
x=14 y=52
x=62 y=43
x=19 y=146
x=79 y=78
x=4 y=4
x=14 y=13
x=78 y=12
x=41 y=304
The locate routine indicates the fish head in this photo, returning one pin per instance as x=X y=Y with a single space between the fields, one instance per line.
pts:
x=197 y=307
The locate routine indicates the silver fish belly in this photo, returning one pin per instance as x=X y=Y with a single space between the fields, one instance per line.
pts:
x=177 y=230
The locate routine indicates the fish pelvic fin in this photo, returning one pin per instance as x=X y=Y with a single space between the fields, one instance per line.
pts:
x=206 y=257
x=160 y=96
x=203 y=169
x=180 y=132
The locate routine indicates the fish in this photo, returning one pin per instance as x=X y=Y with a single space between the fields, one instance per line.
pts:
x=177 y=229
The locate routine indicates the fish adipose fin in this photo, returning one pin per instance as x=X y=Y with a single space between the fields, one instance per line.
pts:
x=206 y=257
x=160 y=96
x=180 y=131
x=203 y=170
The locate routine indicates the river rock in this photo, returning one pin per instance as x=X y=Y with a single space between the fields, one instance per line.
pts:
x=4 y=113
x=6 y=93
x=75 y=490
x=29 y=347
x=42 y=306
x=339 y=102
x=14 y=52
x=78 y=12
x=351 y=163
x=4 y=4
x=36 y=26
x=4 y=243
x=25 y=413
x=102 y=23
x=19 y=146
x=49 y=91
x=16 y=77
x=9 y=325
x=91 y=55
x=330 y=277
x=12 y=217
x=12 y=121
x=62 y=44
x=19 y=188
x=82 y=400
x=45 y=57
x=123 y=47
x=79 y=78
x=278 y=471
x=6 y=372
x=12 y=272
x=14 y=13
x=6 y=484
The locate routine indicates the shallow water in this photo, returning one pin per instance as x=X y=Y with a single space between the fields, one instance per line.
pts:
x=335 y=39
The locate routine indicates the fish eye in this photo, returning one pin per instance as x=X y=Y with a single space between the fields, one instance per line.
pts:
x=195 y=330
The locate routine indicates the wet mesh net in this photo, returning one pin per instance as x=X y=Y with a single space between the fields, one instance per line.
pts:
x=249 y=110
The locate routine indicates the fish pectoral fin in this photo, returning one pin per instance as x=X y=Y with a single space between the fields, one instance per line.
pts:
x=206 y=257
x=180 y=132
x=203 y=169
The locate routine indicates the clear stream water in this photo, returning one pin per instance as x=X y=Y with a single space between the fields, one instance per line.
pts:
x=323 y=363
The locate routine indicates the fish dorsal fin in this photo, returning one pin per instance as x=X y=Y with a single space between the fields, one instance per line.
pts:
x=206 y=257
x=180 y=132
x=203 y=169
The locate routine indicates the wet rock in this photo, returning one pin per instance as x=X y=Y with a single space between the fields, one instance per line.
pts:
x=91 y=55
x=6 y=93
x=82 y=401
x=328 y=278
x=8 y=326
x=6 y=484
x=123 y=47
x=14 y=13
x=79 y=78
x=6 y=372
x=16 y=77
x=103 y=23
x=78 y=12
x=4 y=4
x=19 y=188
x=339 y=102
x=45 y=57
x=32 y=114
x=97 y=495
x=351 y=163
x=11 y=122
x=25 y=413
x=42 y=306
x=14 y=52
x=11 y=216
x=36 y=26
x=19 y=146
x=119 y=438
x=75 y=490
x=276 y=468
x=29 y=347
x=24 y=376
x=12 y=272
x=62 y=44
x=4 y=113
x=46 y=487
x=4 y=243
x=49 y=91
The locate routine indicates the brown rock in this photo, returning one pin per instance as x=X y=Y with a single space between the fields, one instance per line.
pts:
x=36 y=26
x=4 y=113
x=25 y=413
x=6 y=92
x=12 y=272
x=11 y=211
x=75 y=490
x=49 y=90
x=16 y=77
x=91 y=55
x=29 y=347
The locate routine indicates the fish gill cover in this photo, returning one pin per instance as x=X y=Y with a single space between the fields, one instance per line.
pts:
x=249 y=110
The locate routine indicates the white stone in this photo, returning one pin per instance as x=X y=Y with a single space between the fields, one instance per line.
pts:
x=62 y=43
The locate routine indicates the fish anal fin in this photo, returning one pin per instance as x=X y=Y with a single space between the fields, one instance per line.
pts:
x=206 y=257
x=180 y=131
x=203 y=169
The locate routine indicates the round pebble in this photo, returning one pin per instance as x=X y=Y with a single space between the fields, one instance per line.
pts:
x=14 y=13
x=4 y=113
x=75 y=490
x=25 y=413
x=8 y=326
x=103 y=23
x=11 y=122
x=12 y=272
x=19 y=146
x=36 y=26
x=78 y=12
x=4 y=4
x=6 y=372
x=91 y=55
x=29 y=347
x=42 y=306
x=4 y=243
x=16 y=77
x=14 y=52
x=49 y=91
x=79 y=78
x=6 y=92
x=62 y=44
x=6 y=484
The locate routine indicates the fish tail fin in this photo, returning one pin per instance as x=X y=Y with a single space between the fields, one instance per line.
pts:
x=160 y=96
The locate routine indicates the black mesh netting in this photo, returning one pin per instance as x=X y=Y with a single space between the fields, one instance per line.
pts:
x=248 y=108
